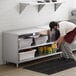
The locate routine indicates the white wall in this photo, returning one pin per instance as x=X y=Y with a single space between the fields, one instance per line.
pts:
x=11 y=19
x=74 y=4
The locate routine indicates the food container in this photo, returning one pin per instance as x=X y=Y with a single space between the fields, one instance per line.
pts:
x=27 y=54
x=25 y=42
x=41 y=40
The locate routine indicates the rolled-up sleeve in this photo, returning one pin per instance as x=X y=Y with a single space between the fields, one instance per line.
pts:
x=62 y=32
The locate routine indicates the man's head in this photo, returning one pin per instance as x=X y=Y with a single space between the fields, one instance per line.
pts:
x=53 y=25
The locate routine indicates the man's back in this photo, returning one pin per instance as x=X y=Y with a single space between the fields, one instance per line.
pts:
x=66 y=27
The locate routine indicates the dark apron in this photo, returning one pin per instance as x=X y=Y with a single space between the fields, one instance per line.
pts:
x=54 y=36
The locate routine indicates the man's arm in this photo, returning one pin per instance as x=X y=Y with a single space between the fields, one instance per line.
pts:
x=60 y=40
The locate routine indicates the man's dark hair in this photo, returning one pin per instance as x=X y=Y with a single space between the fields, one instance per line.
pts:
x=53 y=24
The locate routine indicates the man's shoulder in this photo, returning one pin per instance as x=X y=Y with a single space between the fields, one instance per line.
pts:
x=68 y=23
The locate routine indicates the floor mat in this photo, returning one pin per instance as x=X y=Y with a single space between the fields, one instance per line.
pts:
x=52 y=66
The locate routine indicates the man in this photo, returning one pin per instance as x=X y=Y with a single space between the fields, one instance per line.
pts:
x=67 y=34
